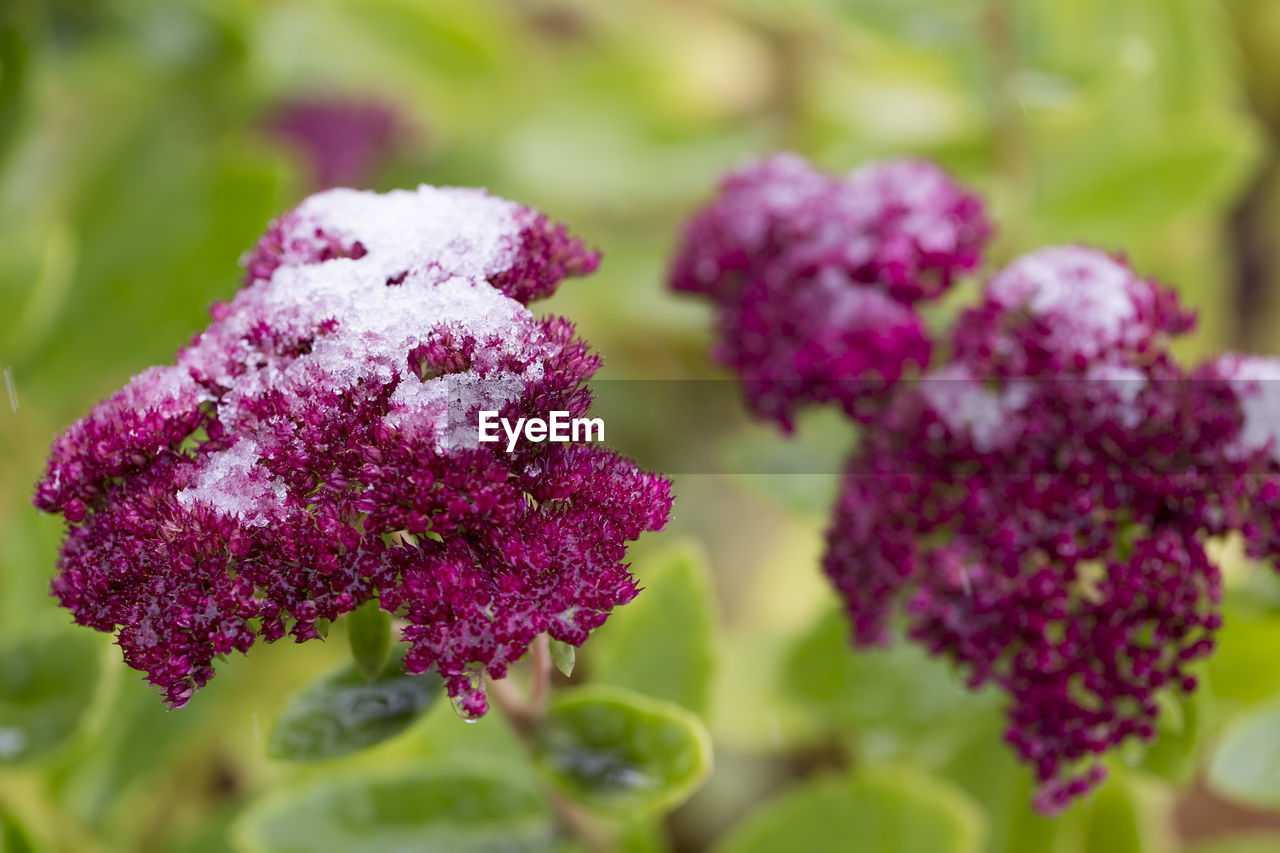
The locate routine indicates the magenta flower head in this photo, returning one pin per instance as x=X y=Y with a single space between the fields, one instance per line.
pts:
x=343 y=140
x=1065 y=310
x=318 y=446
x=1037 y=509
x=815 y=276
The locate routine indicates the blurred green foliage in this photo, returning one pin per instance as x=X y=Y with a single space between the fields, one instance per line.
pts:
x=881 y=812
x=134 y=171
x=459 y=808
x=663 y=643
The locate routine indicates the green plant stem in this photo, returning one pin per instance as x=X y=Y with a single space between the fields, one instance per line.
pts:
x=526 y=713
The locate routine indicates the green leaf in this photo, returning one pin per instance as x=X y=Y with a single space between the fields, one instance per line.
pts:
x=1246 y=766
x=426 y=810
x=988 y=771
x=197 y=206
x=126 y=758
x=662 y=643
x=1116 y=817
x=369 y=633
x=564 y=656
x=622 y=752
x=926 y=22
x=1175 y=756
x=14 y=837
x=1118 y=822
x=343 y=713
x=47 y=684
x=1124 y=183
x=16 y=33
x=1244 y=668
x=644 y=836
x=882 y=811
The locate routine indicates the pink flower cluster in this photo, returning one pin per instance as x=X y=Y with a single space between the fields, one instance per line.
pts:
x=344 y=141
x=815 y=277
x=316 y=447
x=1036 y=509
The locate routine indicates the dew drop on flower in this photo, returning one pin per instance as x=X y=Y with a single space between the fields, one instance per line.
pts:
x=471 y=704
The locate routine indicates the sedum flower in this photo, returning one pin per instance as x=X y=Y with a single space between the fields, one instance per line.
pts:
x=815 y=276
x=344 y=141
x=316 y=447
x=1061 y=310
x=1037 y=509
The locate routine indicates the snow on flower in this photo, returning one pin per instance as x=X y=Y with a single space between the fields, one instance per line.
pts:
x=1064 y=308
x=1036 y=507
x=315 y=447
x=1037 y=510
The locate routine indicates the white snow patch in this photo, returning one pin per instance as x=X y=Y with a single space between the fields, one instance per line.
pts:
x=968 y=407
x=1087 y=297
x=233 y=483
x=1256 y=381
x=1116 y=388
x=446 y=242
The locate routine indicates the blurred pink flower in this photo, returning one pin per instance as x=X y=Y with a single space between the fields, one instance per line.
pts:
x=345 y=141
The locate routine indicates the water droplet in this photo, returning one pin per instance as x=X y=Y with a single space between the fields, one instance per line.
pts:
x=459 y=709
x=471 y=705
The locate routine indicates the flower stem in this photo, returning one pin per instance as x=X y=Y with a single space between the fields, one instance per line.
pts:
x=540 y=690
x=526 y=713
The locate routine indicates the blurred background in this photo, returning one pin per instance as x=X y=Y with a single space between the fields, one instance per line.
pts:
x=145 y=144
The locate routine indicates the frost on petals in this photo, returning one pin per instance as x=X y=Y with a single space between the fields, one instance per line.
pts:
x=1065 y=308
x=1037 y=510
x=815 y=276
x=315 y=447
